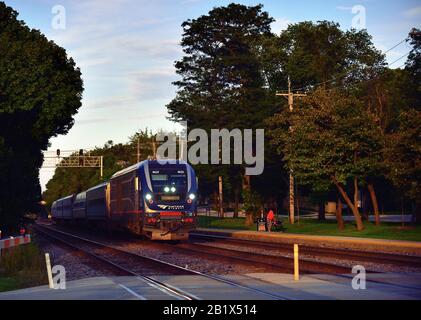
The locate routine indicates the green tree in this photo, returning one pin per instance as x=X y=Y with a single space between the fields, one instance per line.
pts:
x=40 y=92
x=331 y=139
x=393 y=98
x=403 y=151
x=222 y=84
x=321 y=54
x=413 y=64
x=403 y=157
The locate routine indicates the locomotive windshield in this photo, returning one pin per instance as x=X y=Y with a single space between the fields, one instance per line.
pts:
x=168 y=180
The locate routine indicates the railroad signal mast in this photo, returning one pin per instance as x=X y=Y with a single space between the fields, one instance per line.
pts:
x=290 y=96
x=73 y=159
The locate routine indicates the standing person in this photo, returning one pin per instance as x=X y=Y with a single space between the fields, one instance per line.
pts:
x=261 y=222
x=270 y=218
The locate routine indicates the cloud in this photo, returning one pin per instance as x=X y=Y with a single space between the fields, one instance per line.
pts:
x=163 y=49
x=108 y=102
x=280 y=24
x=94 y=120
x=189 y=1
x=153 y=84
x=414 y=12
x=344 y=8
x=91 y=121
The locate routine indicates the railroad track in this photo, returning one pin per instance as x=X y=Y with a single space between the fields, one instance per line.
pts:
x=142 y=267
x=345 y=254
x=270 y=263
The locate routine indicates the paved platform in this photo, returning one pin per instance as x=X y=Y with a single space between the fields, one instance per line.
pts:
x=310 y=287
x=395 y=246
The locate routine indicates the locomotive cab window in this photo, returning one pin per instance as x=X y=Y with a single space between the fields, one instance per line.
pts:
x=169 y=182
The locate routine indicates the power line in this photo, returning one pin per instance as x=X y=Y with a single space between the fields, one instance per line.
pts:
x=372 y=79
x=400 y=58
x=394 y=46
x=375 y=78
x=361 y=81
x=290 y=96
x=347 y=71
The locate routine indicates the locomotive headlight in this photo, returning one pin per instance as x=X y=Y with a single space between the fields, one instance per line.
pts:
x=148 y=196
x=167 y=189
x=192 y=196
x=172 y=189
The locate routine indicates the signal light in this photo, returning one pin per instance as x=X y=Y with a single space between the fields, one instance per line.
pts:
x=152 y=220
x=188 y=220
x=58 y=152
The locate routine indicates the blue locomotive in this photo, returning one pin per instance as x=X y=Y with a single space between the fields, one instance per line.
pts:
x=155 y=198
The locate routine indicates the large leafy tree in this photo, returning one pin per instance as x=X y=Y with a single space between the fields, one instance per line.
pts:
x=40 y=92
x=330 y=140
x=222 y=84
x=403 y=151
x=403 y=158
x=322 y=55
x=413 y=64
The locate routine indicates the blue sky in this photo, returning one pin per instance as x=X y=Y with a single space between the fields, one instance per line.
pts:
x=126 y=50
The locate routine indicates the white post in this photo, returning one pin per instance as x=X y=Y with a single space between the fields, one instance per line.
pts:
x=296 y=266
x=50 y=274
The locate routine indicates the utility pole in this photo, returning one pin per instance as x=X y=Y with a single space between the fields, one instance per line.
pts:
x=220 y=187
x=221 y=200
x=290 y=96
x=181 y=145
x=138 y=150
x=154 y=149
x=102 y=166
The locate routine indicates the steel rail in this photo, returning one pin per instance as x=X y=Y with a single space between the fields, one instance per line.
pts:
x=167 y=287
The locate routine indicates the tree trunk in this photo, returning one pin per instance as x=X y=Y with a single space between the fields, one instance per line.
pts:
x=247 y=187
x=417 y=212
x=215 y=200
x=249 y=219
x=356 y=192
x=364 y=202
x=322 y=212
x=355 y=212
x=339 y=218
x=375 y=203
x=246 y=182
x=236 y=202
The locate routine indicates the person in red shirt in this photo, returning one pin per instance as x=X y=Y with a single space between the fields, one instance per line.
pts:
x=270 y=219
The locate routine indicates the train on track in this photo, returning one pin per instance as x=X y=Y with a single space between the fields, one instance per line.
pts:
x=157 y=199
